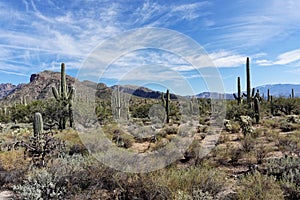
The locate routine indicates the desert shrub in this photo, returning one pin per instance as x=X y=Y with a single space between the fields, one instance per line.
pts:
x=200 y=195
x=270 y=123
x=234 y=111
x=40 y=184
x=287 y=127
x=235 y=153
x=261 y=152
x=248 y=143
x=195 y=178
x=258 y=186
x=286 y=170
x=235 y=127
x=12 y=167
x=289 y=143
x=141 y=111
x=290 y=183
x=122 y=139
x=171 y=130
x=13 y=160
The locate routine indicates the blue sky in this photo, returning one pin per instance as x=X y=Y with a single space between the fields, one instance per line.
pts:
x=37 y=35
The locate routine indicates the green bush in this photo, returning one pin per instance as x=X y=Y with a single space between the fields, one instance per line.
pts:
x=258 y=186
x=287 y=172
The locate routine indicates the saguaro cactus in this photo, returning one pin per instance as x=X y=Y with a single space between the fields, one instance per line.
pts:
x=256 y=110
x=118 y=103
x=166 y=103
x=65 y=98
x=293 y=94
x=271 y=105
x=248 y=80
x=239 y=95
x=269 y=95
x=37 y=125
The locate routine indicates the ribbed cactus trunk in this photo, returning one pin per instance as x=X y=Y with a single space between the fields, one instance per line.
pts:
x=37 y=125
x=256 y=109
x=271 y=105
x=248 y=81
x=166 y=104
x=239 y=95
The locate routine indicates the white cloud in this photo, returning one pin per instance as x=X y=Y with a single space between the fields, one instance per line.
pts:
x=258 y=24
x=227 y=59
x=286 y=58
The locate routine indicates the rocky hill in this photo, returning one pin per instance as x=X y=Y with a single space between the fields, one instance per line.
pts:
x=6 y=89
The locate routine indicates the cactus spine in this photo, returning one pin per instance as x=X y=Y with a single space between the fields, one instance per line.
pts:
x=256 y=109
x=239 y=96
x=65 y=99
x=166 y=103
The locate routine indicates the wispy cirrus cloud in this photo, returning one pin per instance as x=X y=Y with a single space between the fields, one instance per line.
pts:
x=69 y=33
x=154 y=14
x=286 y=58
x=257 y=24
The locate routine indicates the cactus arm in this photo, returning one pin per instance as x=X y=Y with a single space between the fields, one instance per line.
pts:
x=253 y=92
x=71 y=93
x=55 y=93
x=235 y=97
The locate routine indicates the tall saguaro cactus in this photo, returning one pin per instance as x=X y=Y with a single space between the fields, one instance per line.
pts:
x=248 y=80
x=65 y=98
x=118 y=103
x=239 y=95
x=166 y=103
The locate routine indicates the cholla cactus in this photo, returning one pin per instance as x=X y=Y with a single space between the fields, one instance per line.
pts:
x=246 y=124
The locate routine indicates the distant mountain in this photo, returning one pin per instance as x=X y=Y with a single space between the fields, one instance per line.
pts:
x=275 y=89
x=6 y=88
x=141 y=91
x=214 y=95
x=279 y=90
x=40 y=86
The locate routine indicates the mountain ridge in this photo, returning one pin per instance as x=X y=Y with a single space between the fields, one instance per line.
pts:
x=40 y=85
